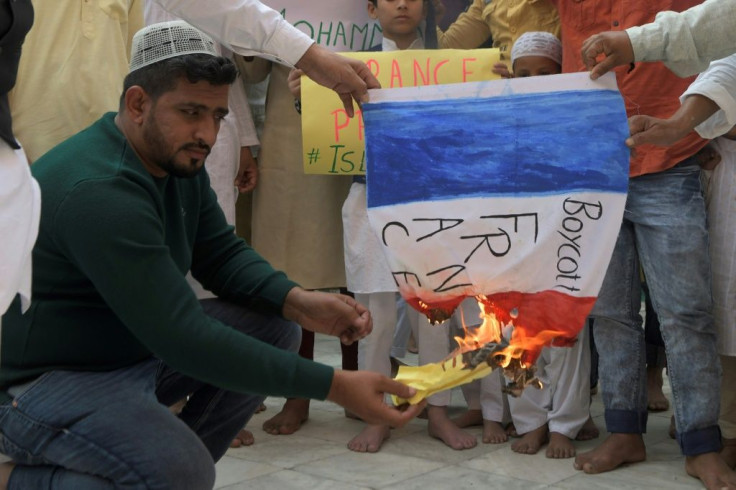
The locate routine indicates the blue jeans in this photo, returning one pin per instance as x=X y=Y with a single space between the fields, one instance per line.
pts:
x=664 y=227
x=97 y=430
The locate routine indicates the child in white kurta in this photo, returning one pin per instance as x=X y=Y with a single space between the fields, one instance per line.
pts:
x=367 y=272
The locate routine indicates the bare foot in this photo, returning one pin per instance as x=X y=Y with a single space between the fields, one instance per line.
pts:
x=728 y=452
x=5 y=470
x=588 y=431
x=712 y=471
x=370 y=439
x=560 y=446
x=470 y=418
x=616 y=450
x=244 y=438
x=656 y=401
x=441 y=427
x=511 y=430
x=493 y=433
x=291 y=417
x=261 y=408
x=531 y=441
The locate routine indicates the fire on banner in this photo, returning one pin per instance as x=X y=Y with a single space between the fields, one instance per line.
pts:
x=510 y=191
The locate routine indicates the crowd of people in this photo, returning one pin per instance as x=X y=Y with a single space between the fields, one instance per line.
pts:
x=126 y=294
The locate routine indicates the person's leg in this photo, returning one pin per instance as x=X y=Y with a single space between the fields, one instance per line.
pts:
x=620 y=344
x=656 y=358
x=215 y=414
x=295 y=410
x=403 y=328
x=434 y=346
x=374 y=353
x=672 y=239
x=568 y=373
x=494 y=408
x=85 y=430
x=529 y=411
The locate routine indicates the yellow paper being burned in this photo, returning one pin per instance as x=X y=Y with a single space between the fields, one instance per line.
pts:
x=440 y=376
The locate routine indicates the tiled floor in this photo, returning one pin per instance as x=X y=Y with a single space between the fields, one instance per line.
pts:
x=316 y=457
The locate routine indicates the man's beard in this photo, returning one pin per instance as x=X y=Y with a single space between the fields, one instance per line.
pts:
x=157 y=145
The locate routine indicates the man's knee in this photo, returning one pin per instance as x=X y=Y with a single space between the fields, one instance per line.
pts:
x=291 y=336
x=190 y=467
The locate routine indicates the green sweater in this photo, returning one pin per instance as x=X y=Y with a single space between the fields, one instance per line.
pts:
x=109 y=287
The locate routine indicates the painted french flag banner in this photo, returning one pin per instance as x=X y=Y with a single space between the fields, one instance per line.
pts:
x=511 y=191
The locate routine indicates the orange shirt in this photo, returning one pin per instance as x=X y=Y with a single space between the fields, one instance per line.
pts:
x=650 y=88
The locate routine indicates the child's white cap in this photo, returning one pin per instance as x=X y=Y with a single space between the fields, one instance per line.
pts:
x=537 y=43
x=166 y=40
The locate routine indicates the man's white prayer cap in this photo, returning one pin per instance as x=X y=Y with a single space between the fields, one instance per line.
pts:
x=166 y=40
x=537 y=43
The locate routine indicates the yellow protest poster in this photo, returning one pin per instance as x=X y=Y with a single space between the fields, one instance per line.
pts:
x=333 y=143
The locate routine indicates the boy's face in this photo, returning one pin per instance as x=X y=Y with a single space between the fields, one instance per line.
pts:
x=532 y=66
x=397 y=17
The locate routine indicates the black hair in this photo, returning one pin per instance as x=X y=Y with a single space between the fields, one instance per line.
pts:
x=430 y=29
x=162 y=76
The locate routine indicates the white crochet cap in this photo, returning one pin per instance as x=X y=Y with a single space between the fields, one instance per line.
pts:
x=537 y=43
x=166 y=40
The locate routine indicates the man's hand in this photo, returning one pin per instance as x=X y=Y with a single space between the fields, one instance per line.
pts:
x=648 y=130
x=328 y=313
x=615 y=45
x=350 y=78
x=247 y=176
x=294 y=81
x=502 y=70
x=362 y=392
x=645 y=130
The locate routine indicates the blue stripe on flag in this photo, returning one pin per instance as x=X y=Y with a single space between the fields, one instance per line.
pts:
x=528 y=144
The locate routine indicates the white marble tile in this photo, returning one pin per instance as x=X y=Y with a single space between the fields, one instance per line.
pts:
x=372 y=470
x=458 y=478
x=421 y=445
x=646 y=475
x=300 y=450
x=233 y=470
x=292 y=480
x=533 y=468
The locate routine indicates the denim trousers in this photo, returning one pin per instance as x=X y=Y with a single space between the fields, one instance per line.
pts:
x=96 y=430
x=664 y=229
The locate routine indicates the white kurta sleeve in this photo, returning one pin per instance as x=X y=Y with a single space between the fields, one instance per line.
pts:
x=246 y=27
x=718 y=83
x=687 y=41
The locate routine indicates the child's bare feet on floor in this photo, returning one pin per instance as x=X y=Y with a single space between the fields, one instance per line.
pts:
x=370 y=439
x=616 y=450
x=441 y=427
x=588 y=431
x=532 y=441
x=470 y=418
x=244 y=438
x=493 y=433
x=560 y=446
x=712 y=471
x=656 y=401
x=291 y=417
